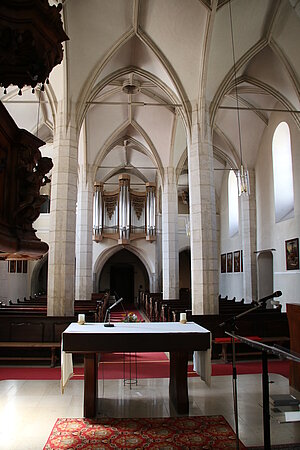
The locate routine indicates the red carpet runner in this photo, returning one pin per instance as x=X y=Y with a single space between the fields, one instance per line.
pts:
x=211 y=433
x=150 y=365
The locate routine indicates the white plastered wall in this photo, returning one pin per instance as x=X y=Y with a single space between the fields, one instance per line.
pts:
x=230 y=284
x=271 y=234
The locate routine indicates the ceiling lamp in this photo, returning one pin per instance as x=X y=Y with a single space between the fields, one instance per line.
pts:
x=31 y=36
x=242 y=173
x=131 y=87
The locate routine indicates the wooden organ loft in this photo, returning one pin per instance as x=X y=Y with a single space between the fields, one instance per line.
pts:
x=124 y=214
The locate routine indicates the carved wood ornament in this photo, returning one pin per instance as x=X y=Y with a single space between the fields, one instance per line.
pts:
x=22 y=173
x=31 y=36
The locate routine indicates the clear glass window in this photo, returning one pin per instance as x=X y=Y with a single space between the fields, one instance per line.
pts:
x=283 y=173
x=233 y=204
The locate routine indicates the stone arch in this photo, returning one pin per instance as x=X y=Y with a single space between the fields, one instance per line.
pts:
x=185 y=268
x=107 y=254
x=39 y=277
x=265 y=274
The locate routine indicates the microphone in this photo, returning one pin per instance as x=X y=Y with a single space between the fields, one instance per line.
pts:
x=268 y=297
x=114 y=304
x=109 y=324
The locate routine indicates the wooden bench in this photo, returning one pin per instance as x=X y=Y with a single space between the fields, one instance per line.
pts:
x=31 y=345
x=169 y=307
x=225 y=342
x=271 y=325
x=32 y=338
x=40 y=308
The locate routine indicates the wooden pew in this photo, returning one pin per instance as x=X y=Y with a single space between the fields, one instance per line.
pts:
x=148 y=302
x=34 y=307
x=154 y=298
x=32 y=338
x=167 y=307
x=175 y=313
x=270 y=325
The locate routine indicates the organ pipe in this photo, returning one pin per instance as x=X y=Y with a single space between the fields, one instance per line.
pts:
x=150 y=211
x=124 y=208
x=113 y=212
x=98 y=210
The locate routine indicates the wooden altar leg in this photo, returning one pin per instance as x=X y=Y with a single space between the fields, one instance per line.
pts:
x=90 y=385
x=178 y=388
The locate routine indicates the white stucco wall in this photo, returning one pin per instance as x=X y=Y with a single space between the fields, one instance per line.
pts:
x=230 y=284
x=271 y=234
x=13 y=285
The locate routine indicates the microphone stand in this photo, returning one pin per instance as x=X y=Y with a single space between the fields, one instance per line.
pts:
x=109 y=324
x=231 y=323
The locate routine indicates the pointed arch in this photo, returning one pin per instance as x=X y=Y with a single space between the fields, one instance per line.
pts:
x=228 y=81
x=115 y=139
x=88 y=90
x=109 y=252
x=42 y=263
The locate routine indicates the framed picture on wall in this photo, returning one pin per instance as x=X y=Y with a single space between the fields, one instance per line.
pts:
x=24 y=266
x=292 y=254
x=19 y=266
x=241 y=260
x=223 y=263
x=229 y=262
x=236 y=261
x=12 y=266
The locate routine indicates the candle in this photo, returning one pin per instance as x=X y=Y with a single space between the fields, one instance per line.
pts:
x=81 y=319
x=182 y=317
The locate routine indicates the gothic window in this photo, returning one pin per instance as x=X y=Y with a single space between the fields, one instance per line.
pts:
x=233 y=204
x=283 y=173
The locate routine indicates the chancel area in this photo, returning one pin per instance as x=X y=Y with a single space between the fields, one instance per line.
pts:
x=149 y=156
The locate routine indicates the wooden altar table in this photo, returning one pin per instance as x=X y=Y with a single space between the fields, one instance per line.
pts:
x=178 y=339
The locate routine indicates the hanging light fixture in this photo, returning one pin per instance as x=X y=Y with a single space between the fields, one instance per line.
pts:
x=242 y=173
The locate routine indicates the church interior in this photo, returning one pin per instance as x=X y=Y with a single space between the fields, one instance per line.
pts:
x=149 y=152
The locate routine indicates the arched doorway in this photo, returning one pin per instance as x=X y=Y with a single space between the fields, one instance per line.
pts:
x=185 y=274
x=39 y=279
x=185 y=269
x=124 y=274
x=265 y=274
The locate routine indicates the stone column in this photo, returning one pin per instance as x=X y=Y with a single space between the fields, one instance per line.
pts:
x=248 y=229
x=84 y=237
x=170 y=255
x=204 y=262
x=61 y=269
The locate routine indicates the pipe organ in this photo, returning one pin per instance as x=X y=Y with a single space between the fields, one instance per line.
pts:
x=124 y=214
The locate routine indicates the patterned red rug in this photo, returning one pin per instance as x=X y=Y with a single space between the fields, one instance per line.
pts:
x=159 y=433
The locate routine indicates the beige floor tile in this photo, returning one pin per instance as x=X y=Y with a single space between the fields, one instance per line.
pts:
x=32 y=407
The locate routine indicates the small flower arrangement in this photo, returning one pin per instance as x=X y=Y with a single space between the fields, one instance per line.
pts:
x=131 y=317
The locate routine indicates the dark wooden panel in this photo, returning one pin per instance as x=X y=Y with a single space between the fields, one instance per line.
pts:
x=22 y=173
x=293 y=313
x=178 y=387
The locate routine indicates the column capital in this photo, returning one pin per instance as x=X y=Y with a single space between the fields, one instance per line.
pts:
x=169 y=176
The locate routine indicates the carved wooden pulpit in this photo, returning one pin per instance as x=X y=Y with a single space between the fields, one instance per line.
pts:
x=22 y=172
x=31 y=36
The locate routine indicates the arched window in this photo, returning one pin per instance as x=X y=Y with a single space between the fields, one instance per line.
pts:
x=283 y=173
x=233 y=204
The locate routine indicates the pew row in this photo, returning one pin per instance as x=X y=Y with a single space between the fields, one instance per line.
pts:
x=93 y=309
x=271 y=326
x=32 y=338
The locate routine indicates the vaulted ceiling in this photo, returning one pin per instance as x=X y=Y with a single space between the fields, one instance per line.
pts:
x=134 y=70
